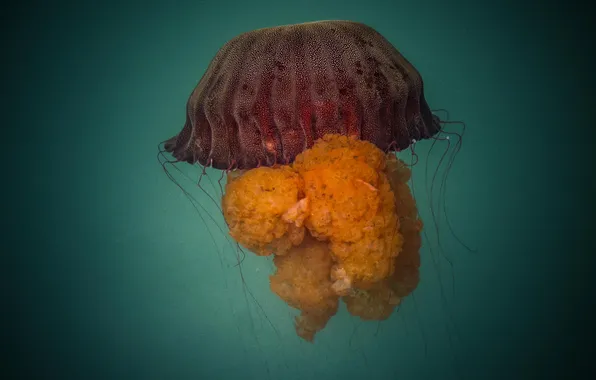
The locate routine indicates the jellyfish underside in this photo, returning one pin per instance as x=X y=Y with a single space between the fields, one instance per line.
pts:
x=340 y=221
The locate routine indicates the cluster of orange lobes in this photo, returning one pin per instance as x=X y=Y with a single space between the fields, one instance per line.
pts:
x=341 y=222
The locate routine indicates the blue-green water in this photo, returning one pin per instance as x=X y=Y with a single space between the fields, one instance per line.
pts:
x=117 y=277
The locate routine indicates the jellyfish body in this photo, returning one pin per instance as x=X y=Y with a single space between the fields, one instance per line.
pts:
x=310 y=113
x=269 y=94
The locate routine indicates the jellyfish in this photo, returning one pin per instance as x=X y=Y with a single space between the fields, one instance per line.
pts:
x=305 y=119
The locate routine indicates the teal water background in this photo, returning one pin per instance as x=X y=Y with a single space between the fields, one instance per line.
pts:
x=114 y=276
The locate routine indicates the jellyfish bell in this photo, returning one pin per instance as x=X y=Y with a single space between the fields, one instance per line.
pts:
x=270 y=93
x=306 y=120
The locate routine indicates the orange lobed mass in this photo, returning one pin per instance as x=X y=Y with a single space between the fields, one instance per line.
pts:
x=341 y=222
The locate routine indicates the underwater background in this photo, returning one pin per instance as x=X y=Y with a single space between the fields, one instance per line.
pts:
x=110 y=273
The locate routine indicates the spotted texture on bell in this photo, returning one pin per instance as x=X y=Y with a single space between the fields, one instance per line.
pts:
x=270 y=93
